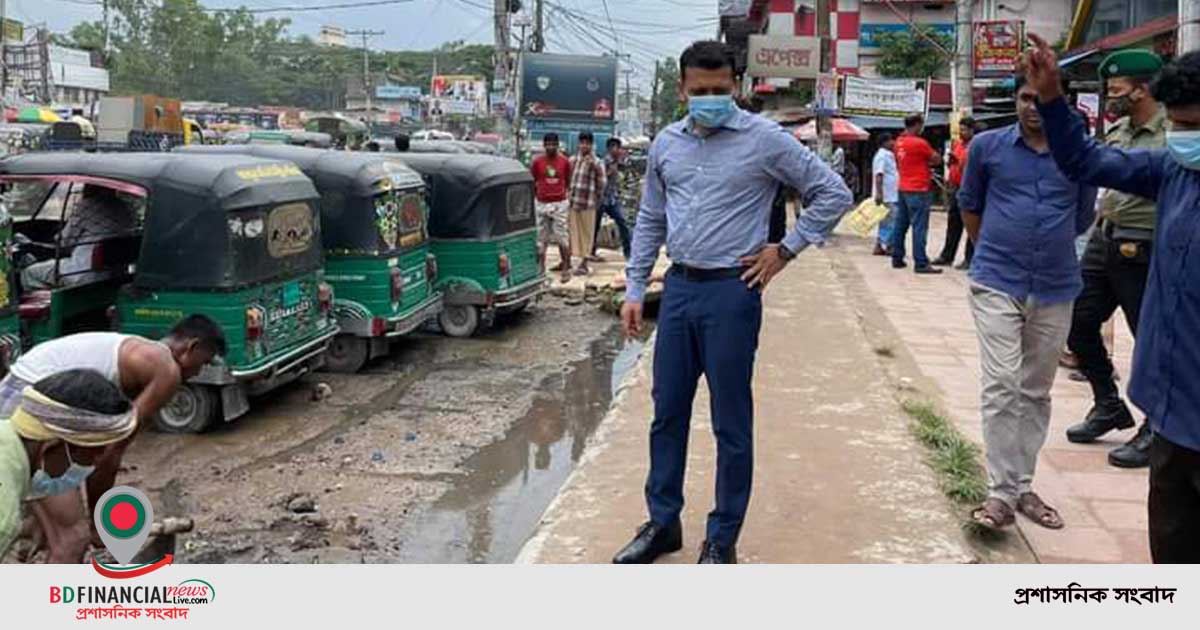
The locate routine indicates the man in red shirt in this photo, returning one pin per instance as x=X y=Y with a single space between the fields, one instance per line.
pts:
x=551 y=175
x=954 y=173
x=914 y=157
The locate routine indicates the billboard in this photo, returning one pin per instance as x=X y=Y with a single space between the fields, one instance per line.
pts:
x=458 y=94
x=996 y=47
x=784 y=56
x=895 y=98
x=398 y=92
x=868 y=34
x=568 y=87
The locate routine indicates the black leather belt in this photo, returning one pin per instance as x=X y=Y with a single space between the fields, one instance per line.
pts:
x=696 y=274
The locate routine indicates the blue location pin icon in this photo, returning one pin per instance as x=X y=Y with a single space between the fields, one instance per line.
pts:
x=123 y=517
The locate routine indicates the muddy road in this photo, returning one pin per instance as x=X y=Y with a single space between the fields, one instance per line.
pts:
x=448 y=450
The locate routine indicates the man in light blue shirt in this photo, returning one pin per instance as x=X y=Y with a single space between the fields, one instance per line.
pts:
x=885 y=180
x=710 y=180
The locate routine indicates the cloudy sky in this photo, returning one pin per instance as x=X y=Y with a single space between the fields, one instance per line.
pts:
x=643 y=29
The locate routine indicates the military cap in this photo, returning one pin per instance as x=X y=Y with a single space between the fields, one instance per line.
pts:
x=1133 y=62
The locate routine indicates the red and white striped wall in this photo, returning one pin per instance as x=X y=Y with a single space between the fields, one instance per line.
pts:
x=785 y=19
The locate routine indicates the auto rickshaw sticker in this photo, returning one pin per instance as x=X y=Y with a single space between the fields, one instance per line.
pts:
x=271 y=171
x=3 y=290
x=387 y=219
x=411 y=215
x=289 y=229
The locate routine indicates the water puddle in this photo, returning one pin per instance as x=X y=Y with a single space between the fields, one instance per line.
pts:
x=488 y=516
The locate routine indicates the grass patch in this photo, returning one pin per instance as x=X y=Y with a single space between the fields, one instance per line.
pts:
x=954 y=458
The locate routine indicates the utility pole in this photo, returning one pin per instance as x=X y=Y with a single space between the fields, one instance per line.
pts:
x=366 y=33
x=824 y=122
x=654 y=85
x=1189 y=26
x=3 y=51
x=964 y=97
x=500 y=29
x=539 y=26
x=518 y=119
x=106 y=40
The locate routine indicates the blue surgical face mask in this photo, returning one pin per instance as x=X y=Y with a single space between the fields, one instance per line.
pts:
x=1185 y=148
x=43 y=485
x=711 y=111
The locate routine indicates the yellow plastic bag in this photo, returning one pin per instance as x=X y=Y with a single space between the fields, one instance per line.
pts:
x=865 y=217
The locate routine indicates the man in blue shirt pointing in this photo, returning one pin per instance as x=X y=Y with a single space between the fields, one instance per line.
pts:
x=1166 y=359
x=710 y=180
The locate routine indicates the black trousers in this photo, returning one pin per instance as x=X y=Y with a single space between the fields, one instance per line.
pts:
x=1174 y=503
x=954 y=233
x=778 y=224
x=1114 y=274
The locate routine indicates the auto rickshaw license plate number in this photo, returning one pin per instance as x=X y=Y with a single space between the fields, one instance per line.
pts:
x=291 y=294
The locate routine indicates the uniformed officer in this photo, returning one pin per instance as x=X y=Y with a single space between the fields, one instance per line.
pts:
x=1117 y=260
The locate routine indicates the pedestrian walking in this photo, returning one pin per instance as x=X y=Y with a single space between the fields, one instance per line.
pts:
x=1116 y=263
x=1023 y=215
x=610 y=202
x=587 y=184
x=914 y=159
x=1166 y=364
x=551 y=174
x=714 y=220
x=954 y=224
x=884 y=182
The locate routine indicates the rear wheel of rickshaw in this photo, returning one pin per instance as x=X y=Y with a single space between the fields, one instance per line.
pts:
x=194 y=409
x=347 y=354
x=459 y=320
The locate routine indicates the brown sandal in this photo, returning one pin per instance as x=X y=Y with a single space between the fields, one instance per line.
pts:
x=1031 y=505
x=994 y=514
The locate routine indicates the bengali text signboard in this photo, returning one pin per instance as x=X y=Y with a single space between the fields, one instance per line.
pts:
x=997 y=46
x=894 y=98
x=784 y=56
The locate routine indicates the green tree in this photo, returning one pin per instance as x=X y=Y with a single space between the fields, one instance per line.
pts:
x=907 y=55
x=667 y=106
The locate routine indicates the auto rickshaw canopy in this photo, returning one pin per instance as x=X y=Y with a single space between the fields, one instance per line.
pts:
x=212 y=221
x=474 y=196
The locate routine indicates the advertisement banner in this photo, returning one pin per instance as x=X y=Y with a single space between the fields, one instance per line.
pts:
x=398 y=92
x=825 y=101
x=997 y=45
x=868 y=34
x=461 y=94
x=784 y=56
x=568 y=87
x=1089 y=103
x=893 y=98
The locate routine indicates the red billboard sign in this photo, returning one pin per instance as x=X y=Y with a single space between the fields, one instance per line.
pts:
x=997 y=45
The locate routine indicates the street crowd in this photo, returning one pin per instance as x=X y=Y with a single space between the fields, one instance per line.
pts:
x=1060 y=233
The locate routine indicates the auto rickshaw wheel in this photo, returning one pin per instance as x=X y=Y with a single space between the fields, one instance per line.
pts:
x=194 y=409
x=347 y=354
x=459 y=320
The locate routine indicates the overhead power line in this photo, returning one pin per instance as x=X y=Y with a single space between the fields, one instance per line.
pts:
x=323 y=7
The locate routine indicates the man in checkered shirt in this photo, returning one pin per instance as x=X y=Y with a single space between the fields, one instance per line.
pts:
x=587 y=182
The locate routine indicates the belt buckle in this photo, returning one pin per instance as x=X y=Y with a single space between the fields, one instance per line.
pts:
x=1129 y=250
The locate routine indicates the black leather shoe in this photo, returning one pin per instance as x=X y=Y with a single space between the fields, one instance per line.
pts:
x=1136 y=452
x=711 y=553
x=927 y=270
x=651 y=542
x=941 y=262
x=899 y=264
x=1104 y=417
x=963 y=266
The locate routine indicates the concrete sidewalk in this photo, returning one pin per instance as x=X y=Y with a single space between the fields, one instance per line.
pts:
x=1104 y=507
x=838 y=477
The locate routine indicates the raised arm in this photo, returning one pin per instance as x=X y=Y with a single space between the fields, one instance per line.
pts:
x=1080 y=157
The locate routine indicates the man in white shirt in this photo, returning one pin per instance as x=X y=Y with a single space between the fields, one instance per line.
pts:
x=885 y=188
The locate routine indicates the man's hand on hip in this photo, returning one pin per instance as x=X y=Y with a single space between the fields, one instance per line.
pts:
x=763 y=266
x=631 y=319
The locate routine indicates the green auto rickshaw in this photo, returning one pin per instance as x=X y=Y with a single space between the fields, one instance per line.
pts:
x=376 y=246
x=484 y=234
x=347 y=133
x=235 y=238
